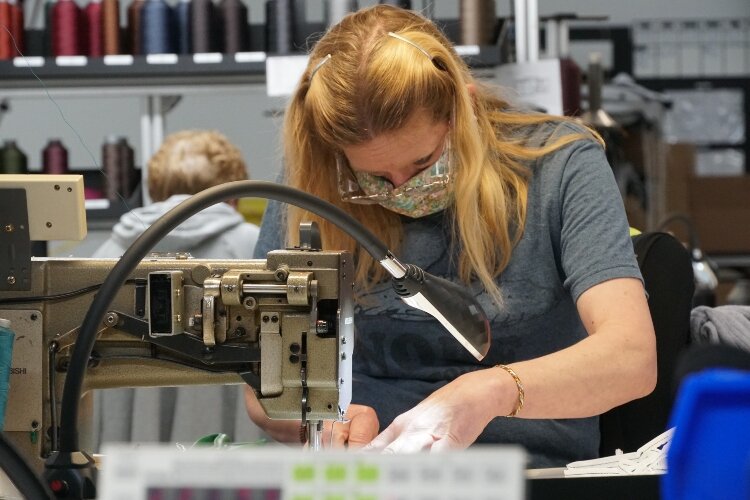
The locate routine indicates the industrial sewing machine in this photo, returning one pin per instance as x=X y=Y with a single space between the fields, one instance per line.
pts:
x=283 y=325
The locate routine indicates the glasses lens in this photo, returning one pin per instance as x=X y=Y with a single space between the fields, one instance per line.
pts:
x=361 y=187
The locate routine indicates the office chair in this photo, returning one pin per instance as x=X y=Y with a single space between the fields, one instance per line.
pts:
x=668 y=275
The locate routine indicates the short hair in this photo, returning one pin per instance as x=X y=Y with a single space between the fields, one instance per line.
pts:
x=193 y=160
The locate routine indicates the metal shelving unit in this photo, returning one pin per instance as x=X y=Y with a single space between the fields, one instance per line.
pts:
x=713 y=83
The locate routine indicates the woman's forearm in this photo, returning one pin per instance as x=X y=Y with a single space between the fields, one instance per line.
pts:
x=616 y=363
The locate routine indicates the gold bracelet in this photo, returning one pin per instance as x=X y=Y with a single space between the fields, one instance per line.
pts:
x=519 y=385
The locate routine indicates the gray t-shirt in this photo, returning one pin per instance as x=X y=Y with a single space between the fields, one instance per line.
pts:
x=576 y=236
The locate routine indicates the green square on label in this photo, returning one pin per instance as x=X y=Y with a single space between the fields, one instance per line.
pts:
x=367 y=473
x=302 y=497
x=336 y=473
x=303 y=473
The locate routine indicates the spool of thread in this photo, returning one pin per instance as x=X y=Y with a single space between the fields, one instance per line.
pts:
x=55 y=158
x=119 y=169
x=233 y=15
x=404 y=4
x=128 y=173
x=7 y=338
x=182 y=22
x=92 y=14
x=134 y=26
x=202 y=24
x=335 y=10
x=16 y=17
x=12 y=159
x=111 y=26
x=478 y=22
x=112 y=165
x=49 y=27
x=6 y=19
x=302 y=33
x=157 y=35
x=571 y=80
x=280 y=26
x=66 y=29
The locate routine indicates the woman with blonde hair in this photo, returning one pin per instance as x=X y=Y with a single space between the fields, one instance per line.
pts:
x=521 y=208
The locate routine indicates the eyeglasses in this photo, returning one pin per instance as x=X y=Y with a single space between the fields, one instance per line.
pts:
x=364 y=188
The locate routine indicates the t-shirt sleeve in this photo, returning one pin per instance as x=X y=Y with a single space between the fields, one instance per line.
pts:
x=595 y=242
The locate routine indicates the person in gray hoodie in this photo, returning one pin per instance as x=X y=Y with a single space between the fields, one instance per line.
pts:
x=187 y=163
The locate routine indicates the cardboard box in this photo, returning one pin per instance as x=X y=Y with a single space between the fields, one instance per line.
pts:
x=720 y=209
x=679 y=166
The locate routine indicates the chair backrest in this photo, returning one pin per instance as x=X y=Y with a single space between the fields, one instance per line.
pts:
x=668 y=276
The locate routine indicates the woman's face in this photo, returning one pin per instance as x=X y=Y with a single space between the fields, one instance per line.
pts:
x=398 y=156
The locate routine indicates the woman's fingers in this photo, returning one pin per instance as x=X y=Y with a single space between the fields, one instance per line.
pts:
x=284 y=431
x=363 y=425
x=359 y=427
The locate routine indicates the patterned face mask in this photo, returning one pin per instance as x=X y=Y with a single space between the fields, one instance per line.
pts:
x=426 y=193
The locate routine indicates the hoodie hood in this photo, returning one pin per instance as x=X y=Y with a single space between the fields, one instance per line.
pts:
x=206 y=224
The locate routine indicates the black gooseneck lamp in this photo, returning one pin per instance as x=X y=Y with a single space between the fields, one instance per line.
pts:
x=70 y=470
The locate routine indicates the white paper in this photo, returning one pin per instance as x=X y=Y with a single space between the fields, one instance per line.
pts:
x=283 y=74
x=96 y=204
x=248 y=57
x=207 y=57
x=71 y=60
x=538 y=84
x=161 y=59
x=118 y=60
x=28 y=61
x=467 y=50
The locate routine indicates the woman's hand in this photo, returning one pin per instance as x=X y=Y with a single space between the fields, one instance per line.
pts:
x=451 y=417
x=283 y=431
x=359 y=428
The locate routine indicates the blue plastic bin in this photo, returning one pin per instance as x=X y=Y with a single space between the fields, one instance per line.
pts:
x=709 y=457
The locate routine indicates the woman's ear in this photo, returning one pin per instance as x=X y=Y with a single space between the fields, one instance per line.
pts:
x=472 y=88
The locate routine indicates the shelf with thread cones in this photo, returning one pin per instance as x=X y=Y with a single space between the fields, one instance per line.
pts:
x=163 y=69
x=138 y=75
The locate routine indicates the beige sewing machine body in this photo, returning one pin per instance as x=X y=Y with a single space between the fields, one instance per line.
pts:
x=283 y=325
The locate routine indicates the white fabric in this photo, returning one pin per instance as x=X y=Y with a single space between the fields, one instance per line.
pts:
x=651 y=458
x=728 y=325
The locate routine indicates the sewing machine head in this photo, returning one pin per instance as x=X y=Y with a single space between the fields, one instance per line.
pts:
x=282 y=324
